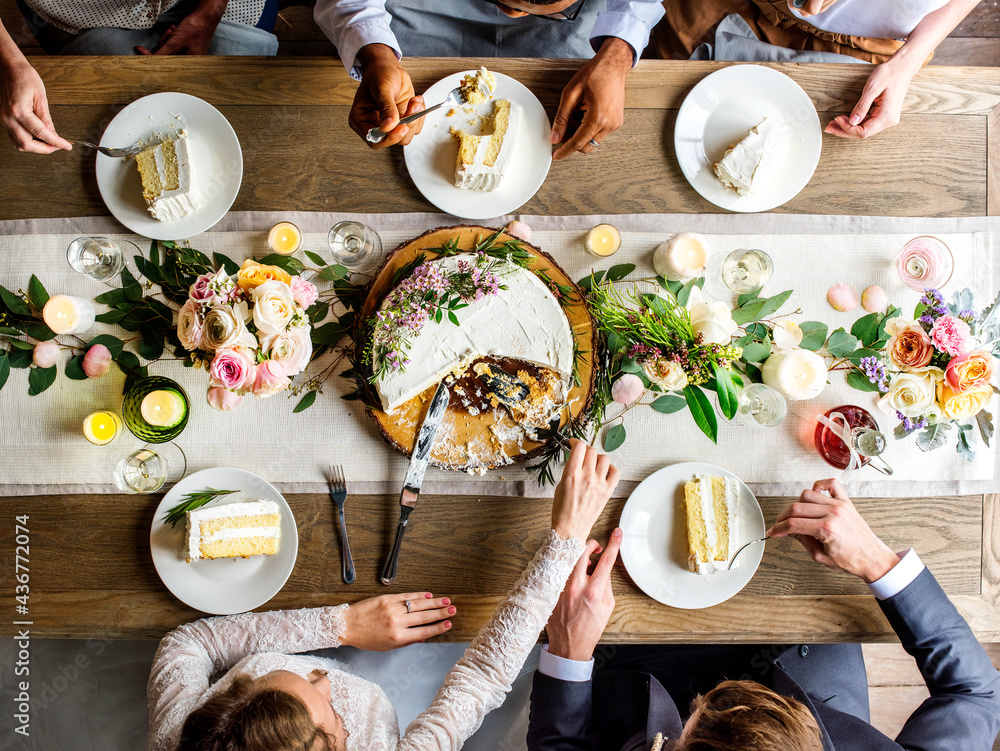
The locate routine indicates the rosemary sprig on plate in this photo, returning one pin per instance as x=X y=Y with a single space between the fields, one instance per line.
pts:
x=193 y=501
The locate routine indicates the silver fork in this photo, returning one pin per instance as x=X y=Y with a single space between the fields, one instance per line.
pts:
x=338 y=492
x=752 y=542
x=115 y=153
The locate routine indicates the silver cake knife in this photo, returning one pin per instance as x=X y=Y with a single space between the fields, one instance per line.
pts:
x=415 y=475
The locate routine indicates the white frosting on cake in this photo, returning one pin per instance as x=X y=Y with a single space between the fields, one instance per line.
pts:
x=194 y=538
x=711 y=526
x=739 y=165
x=174 y=204
x=482 y=176
x=524 y=321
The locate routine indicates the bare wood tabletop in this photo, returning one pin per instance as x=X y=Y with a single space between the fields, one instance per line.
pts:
x=92 y=575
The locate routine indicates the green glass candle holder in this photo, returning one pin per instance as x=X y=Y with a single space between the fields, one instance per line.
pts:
x=132 y=410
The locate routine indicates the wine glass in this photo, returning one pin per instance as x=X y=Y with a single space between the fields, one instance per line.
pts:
x=148 y=469
x=742 y=270
x=353 y=244
x=100 y=258
x=760 y=406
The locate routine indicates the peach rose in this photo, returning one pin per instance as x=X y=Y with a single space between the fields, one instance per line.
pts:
x=966 y=404
x=253 y=274
x=971 y=371
x=908 y=346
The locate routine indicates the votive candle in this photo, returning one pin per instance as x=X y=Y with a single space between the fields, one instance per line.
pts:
x=682 y=257
x=603 y=240
x=797 y=374
x=162 y=408
x=284 y=238
x=101 y=428
x=69 y=315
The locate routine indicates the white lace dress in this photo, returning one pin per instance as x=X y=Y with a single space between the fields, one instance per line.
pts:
x=254 y=644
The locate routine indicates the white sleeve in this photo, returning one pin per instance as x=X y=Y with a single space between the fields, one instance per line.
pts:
x=899 y=577
x=351 y=24
x=563 y=668
x=482 y=677
x=189 y=655
x=629 y=20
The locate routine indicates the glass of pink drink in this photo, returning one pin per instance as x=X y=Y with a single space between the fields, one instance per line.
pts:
x=925 y=262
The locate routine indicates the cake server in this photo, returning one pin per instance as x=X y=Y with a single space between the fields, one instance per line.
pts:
x=415 y=475
x=507 y=388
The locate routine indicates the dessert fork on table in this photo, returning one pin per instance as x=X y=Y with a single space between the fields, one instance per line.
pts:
x=338 y=492
x=752 y=542
x=116 y=153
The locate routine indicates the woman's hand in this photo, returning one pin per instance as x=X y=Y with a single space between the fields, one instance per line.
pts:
x=587 y=482
x=383 y=623
x=24 y=109
x=880 y=105
x=811 y=7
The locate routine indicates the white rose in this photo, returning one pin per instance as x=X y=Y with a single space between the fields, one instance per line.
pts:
x=912 y=393
x=666 y=374
x=714 y=321
x=274 y=306
x=224 y=327
x=291 y=349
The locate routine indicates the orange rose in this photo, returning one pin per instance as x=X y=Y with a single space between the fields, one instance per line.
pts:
x=253 y=274
x=966 y=404
x=909 y=346
x=970 y=371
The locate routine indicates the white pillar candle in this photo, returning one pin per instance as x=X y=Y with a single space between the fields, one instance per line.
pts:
x=682 y=257
x=69 y=315
x=797 y=374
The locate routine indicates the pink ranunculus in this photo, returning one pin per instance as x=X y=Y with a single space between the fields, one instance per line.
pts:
x=952 y=335
x=270 y=379
x=291 y=349
x=46 y=354
x=233 y=368
x=97 y=361
x=627 y=389
x=200 y=292
x=303 y=292
x=189 y=325
x=223 y=399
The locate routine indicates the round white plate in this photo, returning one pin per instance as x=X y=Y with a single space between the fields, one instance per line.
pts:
x=722 y=108
x=654 y=548
x=216 y=160
x=225 y=585
x=430 y=157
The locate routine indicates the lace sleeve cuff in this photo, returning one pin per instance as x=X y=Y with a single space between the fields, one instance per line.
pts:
x=333 y=621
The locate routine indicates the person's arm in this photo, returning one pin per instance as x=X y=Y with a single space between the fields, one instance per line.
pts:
x=352 y=24
x=189 y=655
x=482 y=677
x=24 y=108
x=881 y=101
x=193 y=34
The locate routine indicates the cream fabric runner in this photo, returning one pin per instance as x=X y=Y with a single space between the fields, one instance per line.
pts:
x=43 y=449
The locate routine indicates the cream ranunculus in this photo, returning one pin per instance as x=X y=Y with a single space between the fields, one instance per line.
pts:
x=224 y=327
x=666 y=374
x=274 y=306
x=912 y=393
x=714 y=321
x=291 y=349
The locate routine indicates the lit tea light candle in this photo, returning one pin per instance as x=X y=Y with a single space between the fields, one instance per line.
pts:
x=163 y=408
x=101 y=428
x=284 y=238
x=603 y=240
x=69 y=315
x=797 y=374
x=682 y=257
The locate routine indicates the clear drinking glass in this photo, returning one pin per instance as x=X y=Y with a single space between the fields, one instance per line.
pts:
x=100 y=258
x=760 y=406
x=741 y=271
x=149 y=469
x=353 y=244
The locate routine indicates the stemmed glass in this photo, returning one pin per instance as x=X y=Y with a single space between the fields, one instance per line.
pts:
x=100 y=258
x=148 y=469
x=354 y=244
x=760 y=406
x=741 y=271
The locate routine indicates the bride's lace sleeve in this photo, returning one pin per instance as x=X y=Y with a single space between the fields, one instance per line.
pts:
x=483 y=676
x=189 y=655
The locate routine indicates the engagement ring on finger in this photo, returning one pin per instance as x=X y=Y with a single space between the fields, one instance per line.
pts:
x=409 y=609
x=593 y=143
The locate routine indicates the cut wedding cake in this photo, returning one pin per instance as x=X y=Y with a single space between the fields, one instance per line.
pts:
x=483 y=160
x=741 y=162
x=167 y=178
x=235 y=530
x=711 y=508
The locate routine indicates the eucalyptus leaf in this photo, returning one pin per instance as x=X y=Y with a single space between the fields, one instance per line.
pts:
x=4 y=369
x=615 y=342
x=74 y=369
x=288 y=263
x=329 y=333
x=14 y=304
x=748 y=296
x=841 y=344
x=748 y=312
x=756 y=352
x=333 y=272
x=985 y=422
x=684 y=293
x=859 y=354
x=933 y=436
x=669 y=404
x=858 y=380
x=37 y=293
x=620 y=271
x=226 y=263
x=38 y=330
x=591 y=280
x=630 y=366
x=726 y=390
x=772 y=304
x=317 y=312
x=702 y=411
x=866 y=328
x=813 y=335
x=40 y=379
x=614 y=437
x=306 y=402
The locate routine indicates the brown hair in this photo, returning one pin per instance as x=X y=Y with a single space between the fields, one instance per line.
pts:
x=242 y=719
x=740 y=715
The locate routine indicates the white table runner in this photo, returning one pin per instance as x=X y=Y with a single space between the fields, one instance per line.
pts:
x=43 y=449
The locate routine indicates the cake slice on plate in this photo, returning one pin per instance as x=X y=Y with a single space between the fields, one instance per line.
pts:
x=234 y=530
x=482 y=160
x=740 y=164
x=711 y=505
x=167 y=178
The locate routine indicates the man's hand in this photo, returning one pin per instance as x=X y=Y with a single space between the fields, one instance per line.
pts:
x=24 y=109
x=587 y=482
x=585 y=605
x=598 y=92
x=384 y=96
x=833 y=532
x=383 y=623
x=191 y=36
x=880 y=105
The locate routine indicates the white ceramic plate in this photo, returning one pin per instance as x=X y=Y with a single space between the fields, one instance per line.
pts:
x=217 y=162
x=430 y=157
x=654 y=547
x=722 y=108
x=226 y=585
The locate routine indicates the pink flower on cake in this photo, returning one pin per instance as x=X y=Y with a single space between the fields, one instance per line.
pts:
x=952 y=335
x=273 y=307
x=291 y=349
x=270 y=379
x=223 y=400
x=189 y=329
x=233 y=368
x=303 y=292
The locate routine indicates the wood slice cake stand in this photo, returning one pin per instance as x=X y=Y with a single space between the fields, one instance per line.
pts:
x=481 y=438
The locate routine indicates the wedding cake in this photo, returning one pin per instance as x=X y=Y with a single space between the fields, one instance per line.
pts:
x=167 y=178
x=483 y=159
x=711 y=505
x=234 y=530
x=741 y=162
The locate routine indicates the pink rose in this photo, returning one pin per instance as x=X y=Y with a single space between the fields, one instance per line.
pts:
x=291 y=349
x=969 y=372
x=223 y=400
x=200 y=291
x=627 y=389
x=233 y=368
x=952 y=335
x=303 y=292
x=270 y=379
x=97 y=361
x=46 y=354
x=189 y=325
x=212 y=289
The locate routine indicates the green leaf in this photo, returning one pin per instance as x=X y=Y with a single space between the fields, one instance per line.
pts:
x=858 y=380
x=288 y=263
x=318 y=260
x=333 y=272
x=37 y=293
x=154 y=253
x=615 y=342
x=841 y=344
x=306 y=402
x=317 y=312
x=129 y=364
x=329 y=333
x=22 y=345
x=985 y=422
x=702 y=411
x=933 y=436
x=112 y=316
x=754 y=373
x=453 y=318
x=620 y=271
x=963 y=446
x=15 y=304
x=614 y=438
x=4 y=369
x=226 y=263
x=38 y=330
x=20 y=358
x=748 y=312
x=630 y=366
x=683 y=294
x=131 y=288
x=859 y=354
x=669 y=404
x=113 y=297
x=900 y=432
x=40 y=379
x=74 y=369
x=756 y=352
x=8 y=331
x=772 y=304
x=866 y=328
x=813 y=335
x=726 y=390
x=113 y=343
x=591 y=280
x=152 y=343
x=748 y=296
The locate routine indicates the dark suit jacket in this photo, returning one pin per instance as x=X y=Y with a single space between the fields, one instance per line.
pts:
x=962 y=713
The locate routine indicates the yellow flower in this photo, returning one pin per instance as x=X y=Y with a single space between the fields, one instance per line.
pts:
x=966 y=404
x=253 y=274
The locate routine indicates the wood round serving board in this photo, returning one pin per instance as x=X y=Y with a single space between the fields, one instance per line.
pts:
x=464 y=438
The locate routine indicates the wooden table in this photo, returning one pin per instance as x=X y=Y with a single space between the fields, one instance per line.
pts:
x=91 y=574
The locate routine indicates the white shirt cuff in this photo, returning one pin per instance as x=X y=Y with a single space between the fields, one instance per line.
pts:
x=563 y=669
x=627 y=28
x=899 y=577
